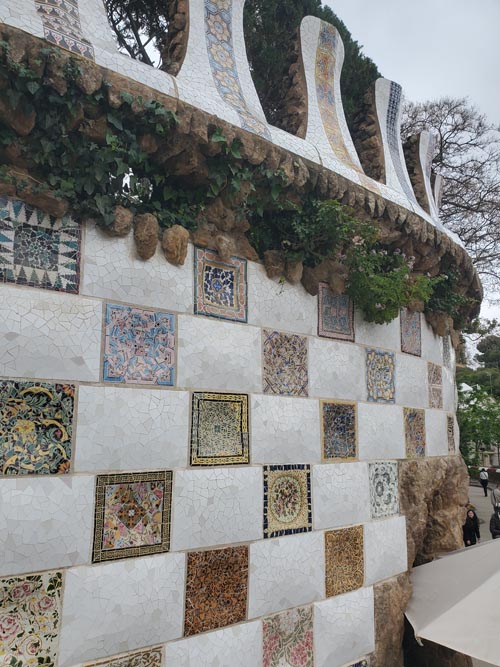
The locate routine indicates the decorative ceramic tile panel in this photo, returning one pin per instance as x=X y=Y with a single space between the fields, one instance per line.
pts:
x=344 y=560
x=151 y=657
x=139 y=346
x=284 y=364
x=362 y=663
x=219 y=41
x=288 y=638
x=220 y=287
x=132 y=515
x=384 y=488
x=61 y=26
x=435 y=384
x=338 y=430
x=394 y=138
x=30 y=609
x=414 y=419
x=450 y=431
x=219 y=429
x=380 y=380
x=446 y=352
x=335 y=314
x=287 y=500
x=411 y=332
x=37 y=249
x=216 y=589
x=36 y=427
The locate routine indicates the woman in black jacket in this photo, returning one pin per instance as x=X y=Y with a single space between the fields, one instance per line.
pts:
x=495 y=524
x=471 y=529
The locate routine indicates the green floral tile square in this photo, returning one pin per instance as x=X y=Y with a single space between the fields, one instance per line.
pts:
x=36 y=427
x=30 y=610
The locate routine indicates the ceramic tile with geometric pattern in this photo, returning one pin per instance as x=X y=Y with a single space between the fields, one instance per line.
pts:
x=139 y=346
x=36 y=427
x=380 y=376
x=38 y=250
x=284 y=359
x=287 y=499
x=219 y=429
x=338 y=430
x=435 y=384
x=61 y=26
x=150 y=657
x=411 y=332
x=132 y=515
x=344 y=560
x=220 y=287
x=30 y=614
x=446 y=352
x=414 y=432
x=384 y=488
x=288 y=638
x=216 y=589
x=450 y=433
x=335 y=314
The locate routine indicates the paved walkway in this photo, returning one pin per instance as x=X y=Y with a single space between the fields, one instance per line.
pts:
x=484 y=510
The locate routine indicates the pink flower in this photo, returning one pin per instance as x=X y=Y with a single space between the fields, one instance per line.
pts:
x=10 y=626
x=30 y=646
x=22 y=590
x=45 y=603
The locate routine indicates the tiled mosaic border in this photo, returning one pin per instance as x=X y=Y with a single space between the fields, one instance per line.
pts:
x=269 y=469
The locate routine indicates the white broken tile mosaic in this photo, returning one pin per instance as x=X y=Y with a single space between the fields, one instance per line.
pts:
x=336 y=370
x=380 y=431
x=411 y=381
x=436 y=433
x=216 y=506
x=383 y=336
x=121 y=606
x=48 y=335
x=340 y=494
x=385 y=549
x=131 y=429
x=284 y=430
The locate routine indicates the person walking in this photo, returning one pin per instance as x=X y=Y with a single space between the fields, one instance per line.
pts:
x=483 y=478
x=495 y=524
x=495 y=497
x=471 y=529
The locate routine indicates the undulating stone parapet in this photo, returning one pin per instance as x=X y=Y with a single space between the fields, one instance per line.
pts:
x=419 y=152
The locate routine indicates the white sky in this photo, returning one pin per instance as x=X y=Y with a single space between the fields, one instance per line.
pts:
x=432 y=47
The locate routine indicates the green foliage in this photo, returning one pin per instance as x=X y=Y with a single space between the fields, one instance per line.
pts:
x=269 y=28
x=489 y=349
x=446 y=298
x=479 y=421
x=486 y=378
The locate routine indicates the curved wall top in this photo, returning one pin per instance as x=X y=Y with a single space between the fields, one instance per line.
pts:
x=215 y=76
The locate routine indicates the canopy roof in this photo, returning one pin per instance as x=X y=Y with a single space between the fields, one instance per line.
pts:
x=456 y=602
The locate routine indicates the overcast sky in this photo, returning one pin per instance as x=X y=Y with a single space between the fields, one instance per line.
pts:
x=432 y=47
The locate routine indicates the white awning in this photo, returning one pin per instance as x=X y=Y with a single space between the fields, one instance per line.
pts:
x=456 y=602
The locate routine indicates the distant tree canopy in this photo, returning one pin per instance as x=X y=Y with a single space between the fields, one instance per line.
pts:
x=141 y=29
x=488 y=375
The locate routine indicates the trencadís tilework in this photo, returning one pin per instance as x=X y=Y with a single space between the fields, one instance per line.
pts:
x=287 y=500
x=380 y=373
x=219 y=41
x=61 y=26
x=132 y=515
x=30 y=611
x=394 y=139
x=151 y=657
x=435 y=383
x=36 y=427
x=216 y=589
x=336 y=314
x=37 y=249
x=411 y=332
x=344 y=560
x=450 y=433
x=288 y=638
x=414 y=419
x=219 y=429
x=139 y=346
x=446 y=352
x=285 y=364
x=384 y=488
x=220 y=287
x=338 y=430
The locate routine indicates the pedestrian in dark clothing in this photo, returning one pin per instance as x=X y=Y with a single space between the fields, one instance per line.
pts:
x=483 y=478
x=471 y=529
x=495 y=524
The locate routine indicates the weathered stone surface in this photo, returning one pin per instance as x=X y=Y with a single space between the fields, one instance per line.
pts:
x=441 y=323
x=174 y=243
x=146 y=235
x=122 y=222
x=433 y=494
x=89 y=78
x=274 y=263
x=20 y=121
x=293 y=272
x=225 y=246
x=245 y=249
x=391 y=598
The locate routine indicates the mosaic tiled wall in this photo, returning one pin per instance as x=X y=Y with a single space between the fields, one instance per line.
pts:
x=61 y=24
x=181 y=489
